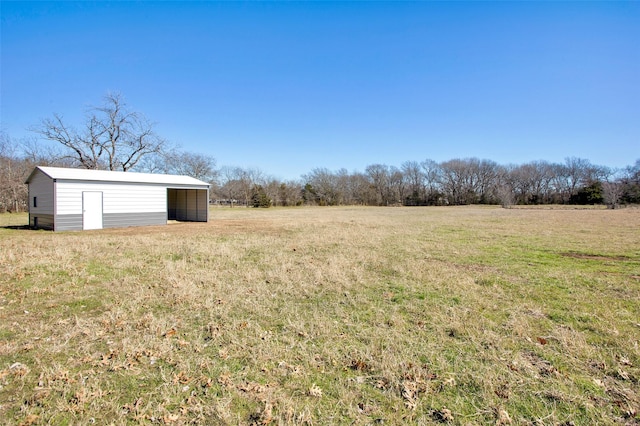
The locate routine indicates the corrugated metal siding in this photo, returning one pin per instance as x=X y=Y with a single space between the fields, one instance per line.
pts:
x=171 y=203
x=203 y=206
x=122 y=220
x=42 y=187
x=190 y=204
x=117 y=198
x=68 y=222
x=181 y=205
x=45 y=221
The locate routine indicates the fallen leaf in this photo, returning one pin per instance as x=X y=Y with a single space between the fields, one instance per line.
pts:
x=315 y=391
x=449 y=382
x=503 y=418
x=625 y=361
x=29 y=420
x=359 y=365
x=444 y=416
x=225 y=380
x=171 y=418
x=18 y=369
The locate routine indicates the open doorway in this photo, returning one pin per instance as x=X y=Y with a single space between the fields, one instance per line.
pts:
x=190 y=205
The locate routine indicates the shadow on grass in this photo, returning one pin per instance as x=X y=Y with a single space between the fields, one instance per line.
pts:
x=22 y=227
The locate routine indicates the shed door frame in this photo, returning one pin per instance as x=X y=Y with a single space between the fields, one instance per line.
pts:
x=92 y=210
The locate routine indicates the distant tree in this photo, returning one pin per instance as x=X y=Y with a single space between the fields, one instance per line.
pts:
x=113 y=137
x=288 y=194
x=380 y=178
x=326 y=187
x=13 y=172
x=397 y=186
x=433 y=181
x=459 y=181
x=588 y=194
x=281 y=193
x=505 y=195
x=259 y=197
x=612 y=193
x=44 y=155
x=360 y=191
x=309 y=195
x=237 y=184
x=198 y=166
x=414 y=177
x=488 y=174
x=531 y=182
x=630 y=181
x=570 y=177
x=575 y=173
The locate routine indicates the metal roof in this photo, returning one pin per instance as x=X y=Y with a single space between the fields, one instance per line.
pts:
x=110 y=176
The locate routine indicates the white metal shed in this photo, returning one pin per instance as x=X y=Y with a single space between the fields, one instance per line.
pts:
x=63 y=199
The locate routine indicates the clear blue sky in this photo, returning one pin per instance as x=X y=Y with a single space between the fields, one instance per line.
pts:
x=289 y=87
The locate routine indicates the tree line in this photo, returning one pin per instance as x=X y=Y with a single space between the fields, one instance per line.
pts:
x=115 y=138
x=429 y=183
x=475 y=181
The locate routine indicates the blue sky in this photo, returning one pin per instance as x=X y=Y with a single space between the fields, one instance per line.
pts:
x=292 y=86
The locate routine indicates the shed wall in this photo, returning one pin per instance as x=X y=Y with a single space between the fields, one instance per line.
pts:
x=118 y=198
x=68 y=222
x=123 y=204
x=42 y=188
x=121 y=220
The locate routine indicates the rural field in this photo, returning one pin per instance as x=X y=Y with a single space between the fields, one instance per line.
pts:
x=348 y=315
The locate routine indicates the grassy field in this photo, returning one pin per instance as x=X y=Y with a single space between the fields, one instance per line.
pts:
x=460 y=315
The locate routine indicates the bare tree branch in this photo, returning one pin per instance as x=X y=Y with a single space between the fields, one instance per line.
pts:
x=113 y=137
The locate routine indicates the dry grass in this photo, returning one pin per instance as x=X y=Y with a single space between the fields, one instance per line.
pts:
x=471 y=315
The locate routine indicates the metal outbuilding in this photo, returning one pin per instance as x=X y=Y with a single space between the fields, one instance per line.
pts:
x=63 y=199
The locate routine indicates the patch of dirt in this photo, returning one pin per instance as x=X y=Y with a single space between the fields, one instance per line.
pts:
x=533 y=363
x=576 y=255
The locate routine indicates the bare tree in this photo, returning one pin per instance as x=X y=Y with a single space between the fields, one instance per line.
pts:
x=282 y=193
x=504 y=193
x=531 y=182
x=415 y=180
x=631 y=183
x=360 y=189
x=378 y=175
x=612 y=193
x=433 y=180
x=571 y=176
x=289 y=194
x=325 y=186
x=113 y=137
x=459 y=182
x=238 y=184
x=198 y=166
x=230 y=188
x=13 y=172
x=397 y=186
